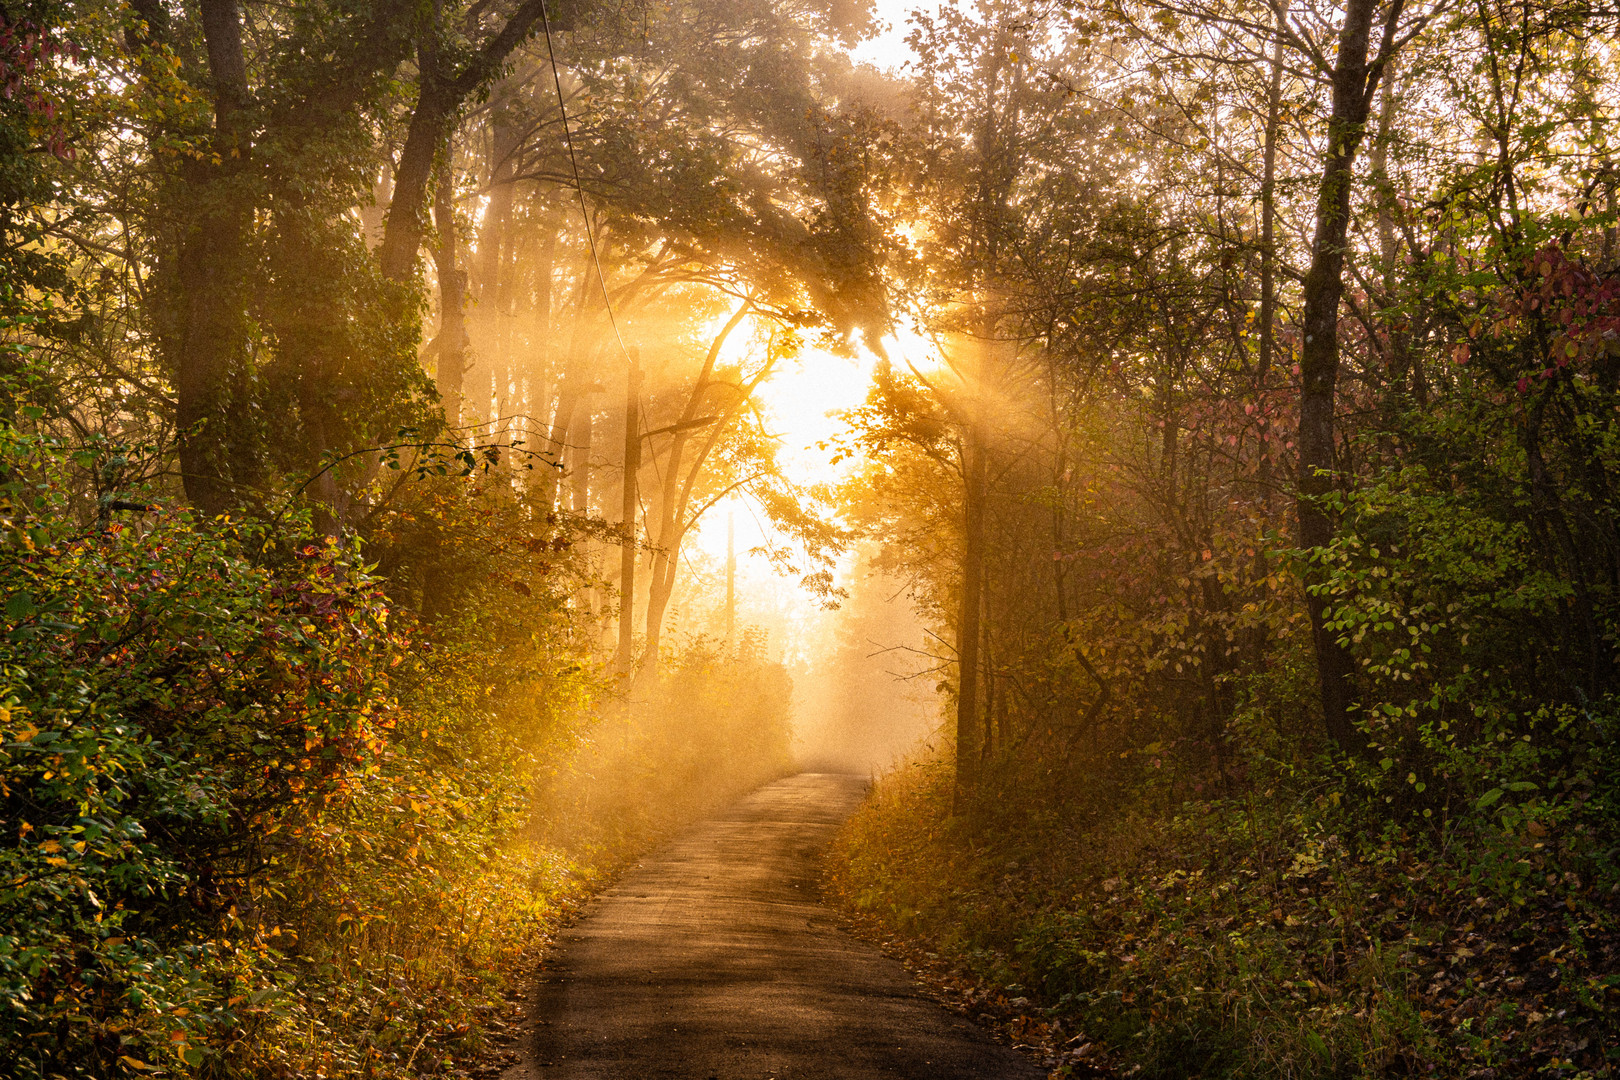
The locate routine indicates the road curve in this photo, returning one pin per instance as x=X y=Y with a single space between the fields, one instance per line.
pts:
x=714 y=960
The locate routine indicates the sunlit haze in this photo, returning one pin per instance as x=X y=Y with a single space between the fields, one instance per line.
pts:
x=887 y=50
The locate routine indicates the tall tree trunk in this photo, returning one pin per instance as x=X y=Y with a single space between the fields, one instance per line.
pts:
x=969 y=733
x=569 y=393
x=731 y=578
x=1399 y=352
x=440 y=93
x=671 y=504
x=211 y=383
x=579 y=473
x=429 y=129
x=451 y=344
x=1268 y=272
x=1264 y=362
x=496 y=269
x=1354 y=82
x=545 y=266
x=494 y=235
x=624 y=657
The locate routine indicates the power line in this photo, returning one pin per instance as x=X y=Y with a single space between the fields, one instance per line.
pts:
x=579 y=187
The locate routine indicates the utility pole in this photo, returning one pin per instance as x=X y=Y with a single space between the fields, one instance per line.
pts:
x=624 y=659
x=731 y=576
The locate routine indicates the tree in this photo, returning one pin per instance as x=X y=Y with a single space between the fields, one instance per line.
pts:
x=1354 y=78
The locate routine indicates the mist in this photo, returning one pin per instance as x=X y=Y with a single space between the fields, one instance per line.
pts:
x=867 y=696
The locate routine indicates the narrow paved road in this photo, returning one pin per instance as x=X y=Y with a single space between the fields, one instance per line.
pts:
x=714 y=960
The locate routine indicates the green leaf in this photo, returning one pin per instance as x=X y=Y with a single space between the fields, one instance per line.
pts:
x=20 y=606
x=1488 y=798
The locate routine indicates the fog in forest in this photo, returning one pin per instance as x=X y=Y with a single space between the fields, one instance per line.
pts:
x=1171 y=448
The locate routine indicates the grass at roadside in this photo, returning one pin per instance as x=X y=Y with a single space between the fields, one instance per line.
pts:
x=1278 y=932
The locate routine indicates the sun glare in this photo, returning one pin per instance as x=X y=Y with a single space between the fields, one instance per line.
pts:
x=801 y=402
x=888 y=50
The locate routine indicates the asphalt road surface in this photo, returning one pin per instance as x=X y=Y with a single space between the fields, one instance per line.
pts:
x=715 y=959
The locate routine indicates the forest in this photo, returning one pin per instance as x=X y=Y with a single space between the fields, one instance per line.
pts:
x=1177 y=450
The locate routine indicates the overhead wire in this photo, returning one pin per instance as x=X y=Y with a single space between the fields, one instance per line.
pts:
x=579 y=186
x=585 y=214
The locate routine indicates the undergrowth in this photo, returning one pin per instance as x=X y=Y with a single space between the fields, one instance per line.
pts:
x=1283 y=929
x=260 y=816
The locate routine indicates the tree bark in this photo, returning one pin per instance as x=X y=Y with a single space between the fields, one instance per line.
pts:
x=579 y=473
x=676 y=496
x=1268 y=247
x=969 y=737
x=429 y=128
x=439 y=97
x=624 y=657
x=497 y=267
x=211 y=354
x=451 y=345
x=1354 y=81
x=1404 y=377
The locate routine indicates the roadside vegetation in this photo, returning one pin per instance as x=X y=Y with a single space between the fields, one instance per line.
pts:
x=1243 y=424
x=1282 y=928
x=268 y=823
x=311 y=728
x=1264 y=509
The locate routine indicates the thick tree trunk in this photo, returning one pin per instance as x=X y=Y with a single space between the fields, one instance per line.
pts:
x=1353 y=84
x=569 y=395
x=429 y=129
x=211 y=356
x=439 y=97
x=451 y=344
x=660 y=588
